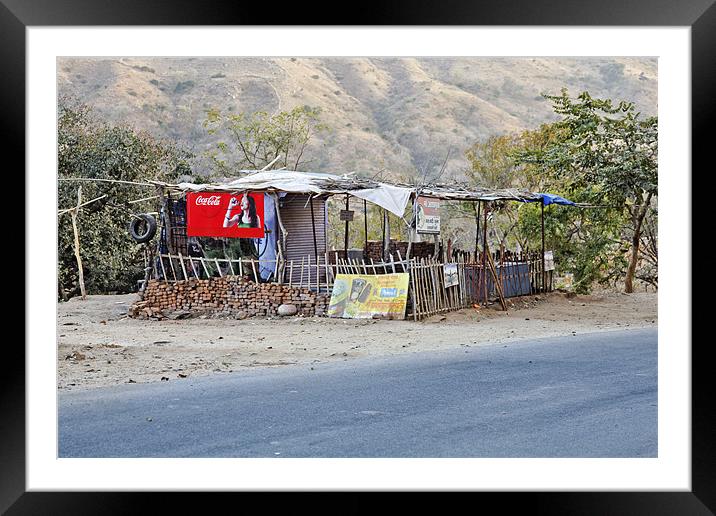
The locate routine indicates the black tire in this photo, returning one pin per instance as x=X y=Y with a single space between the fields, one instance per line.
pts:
x=143 y=228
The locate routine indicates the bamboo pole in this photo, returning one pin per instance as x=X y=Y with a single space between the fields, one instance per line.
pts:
x=218 y=268
x=253 y=268
x=181 y=261
x=309 y=272
x=290 y=274
x=345 y=243
x=543 y=260
x=284 y=234
x=313 y=226
x=171 y=264
x=498 y=287
x=191 y=262
x=75 y=208
x=484 y=256
x=365 y=221
x=164 y=271
x=413 y=295
x=300 y=285
x=75 y=230
x=325 y=264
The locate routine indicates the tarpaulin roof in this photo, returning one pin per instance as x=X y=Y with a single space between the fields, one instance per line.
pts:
x=391 y=197
x=463 y=192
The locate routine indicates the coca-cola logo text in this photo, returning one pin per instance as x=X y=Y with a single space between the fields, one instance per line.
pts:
x=207 y=201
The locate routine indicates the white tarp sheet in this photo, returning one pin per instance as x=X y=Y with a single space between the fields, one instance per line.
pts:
x=392 y=198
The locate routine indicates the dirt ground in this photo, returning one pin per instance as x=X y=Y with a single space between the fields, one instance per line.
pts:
x=98 y=345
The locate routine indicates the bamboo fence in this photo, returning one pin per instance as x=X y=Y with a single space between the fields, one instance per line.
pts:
x=503 y=276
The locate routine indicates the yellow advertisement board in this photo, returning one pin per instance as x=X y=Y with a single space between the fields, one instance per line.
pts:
x=362 y=296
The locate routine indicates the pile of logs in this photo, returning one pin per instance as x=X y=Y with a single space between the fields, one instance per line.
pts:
x=374 y=249
x=232 y=296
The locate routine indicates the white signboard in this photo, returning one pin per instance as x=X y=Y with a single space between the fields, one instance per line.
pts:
x=428 y=215
x=451 y=278
x=548 y=261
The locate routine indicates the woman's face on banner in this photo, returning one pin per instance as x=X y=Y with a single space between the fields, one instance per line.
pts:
x=244 y=203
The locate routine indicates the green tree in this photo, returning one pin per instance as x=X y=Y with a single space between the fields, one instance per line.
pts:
x=88 y=148
x=252 y=141
x=609 y=153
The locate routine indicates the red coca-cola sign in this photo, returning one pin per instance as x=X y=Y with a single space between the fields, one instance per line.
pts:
x=219 y=214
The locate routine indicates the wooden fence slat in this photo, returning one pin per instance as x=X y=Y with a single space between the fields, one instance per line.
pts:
x=181 y=261
x=164 y=271
x=498 y=286
x=253 y=268
x=171 y=264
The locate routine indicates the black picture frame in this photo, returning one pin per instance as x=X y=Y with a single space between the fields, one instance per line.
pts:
x=699 y=15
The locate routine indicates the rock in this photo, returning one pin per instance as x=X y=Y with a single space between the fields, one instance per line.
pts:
x=179 y=314
x=242 y=315
x=286 y=310
x=75 y=355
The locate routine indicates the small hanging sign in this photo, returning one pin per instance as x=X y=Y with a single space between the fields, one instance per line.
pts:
x=347 y=215
x=428 y=215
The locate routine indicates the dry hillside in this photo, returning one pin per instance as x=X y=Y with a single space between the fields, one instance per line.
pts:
x=397 y=114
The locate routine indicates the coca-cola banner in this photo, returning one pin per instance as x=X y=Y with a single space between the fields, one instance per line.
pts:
x=213 y=214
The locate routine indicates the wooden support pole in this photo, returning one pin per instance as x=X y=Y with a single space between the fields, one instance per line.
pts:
x=325 y=264
x=253 y=268
x=484 y=256
x=309 y=272
x=498 y=286
x=183 y=268
x=75 y=230
x=543 y=261
x=313 y=226
x=365 y=223
x=477 y=206
x=281 y=243
x=171 y=264
x=386 y=234
x=345 y=241
x=412 y=229
x=164 y=271
x=193 y=268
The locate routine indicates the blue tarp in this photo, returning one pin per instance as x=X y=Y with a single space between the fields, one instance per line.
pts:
x=266 y=246
x=548 y=198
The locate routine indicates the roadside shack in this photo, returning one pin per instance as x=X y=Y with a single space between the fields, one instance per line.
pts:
x=258 y=246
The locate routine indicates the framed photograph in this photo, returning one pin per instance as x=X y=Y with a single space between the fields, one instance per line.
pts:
x=36 y=36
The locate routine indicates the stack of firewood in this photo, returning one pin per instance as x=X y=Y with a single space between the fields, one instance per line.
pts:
x=374 y=250
x=230 y=295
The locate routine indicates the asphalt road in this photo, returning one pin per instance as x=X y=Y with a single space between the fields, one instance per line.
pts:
x=592 y=395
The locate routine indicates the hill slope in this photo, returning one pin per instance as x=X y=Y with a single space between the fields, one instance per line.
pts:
x=401 y=115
